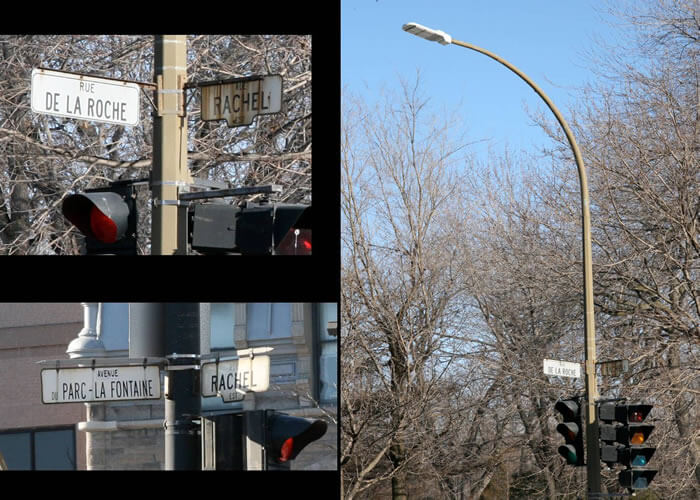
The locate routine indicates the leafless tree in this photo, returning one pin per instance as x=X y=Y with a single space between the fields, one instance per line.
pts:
x=400 y=276
x=639 y=129
x=44 y=158
x=458 y=279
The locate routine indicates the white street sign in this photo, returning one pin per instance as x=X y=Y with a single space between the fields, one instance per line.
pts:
x=96 y=384
x=231 y=379
x=554 y=368
x=239 y=101
x=85 y=97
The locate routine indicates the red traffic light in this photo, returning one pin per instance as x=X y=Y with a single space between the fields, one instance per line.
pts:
x=295 y=242
x=636 y=415
x=288 y=435
x=103 y=228
x=102 y=216
x=286 y=451
x=107 y=217
x=292 y=229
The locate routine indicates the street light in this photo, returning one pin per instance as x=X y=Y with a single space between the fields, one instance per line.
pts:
x=592 y=454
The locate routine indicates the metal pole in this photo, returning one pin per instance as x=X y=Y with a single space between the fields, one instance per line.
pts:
x=592 y=444
x=170 y=170
x=146 y=330
x=182 y=399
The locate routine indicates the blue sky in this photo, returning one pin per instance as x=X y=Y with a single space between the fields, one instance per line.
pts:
x=548 y=40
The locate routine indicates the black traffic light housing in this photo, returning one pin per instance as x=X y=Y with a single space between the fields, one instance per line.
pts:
x=255 y=440
x=572 y=430
x=251 y=228
x=636 y=479
x=286 y=435
x=107 y=217
x=624 y=437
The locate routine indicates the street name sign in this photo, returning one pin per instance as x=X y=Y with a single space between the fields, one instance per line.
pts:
x=613 y=368
x=239 y=101
x=70 y=95
x=232 y=378
x=555 y=368
x=97 y=384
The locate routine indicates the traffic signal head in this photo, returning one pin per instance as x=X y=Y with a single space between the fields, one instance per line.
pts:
x=274 y=229
x=107 y=218
x=286 y=435
x=628 y=456
x=637 y=457
x=252 y=229
x=625 y=437
x=624 y=423
x=636 y=479
x=624 y=413
x=293 y=230
x=572 y=430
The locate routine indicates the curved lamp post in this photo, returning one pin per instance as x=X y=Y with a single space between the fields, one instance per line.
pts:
x=593 y=450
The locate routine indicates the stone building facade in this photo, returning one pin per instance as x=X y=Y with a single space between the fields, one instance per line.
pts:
x=34 y=435
x=129 y=435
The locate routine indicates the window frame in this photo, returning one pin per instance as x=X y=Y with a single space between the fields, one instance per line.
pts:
x=32 y=431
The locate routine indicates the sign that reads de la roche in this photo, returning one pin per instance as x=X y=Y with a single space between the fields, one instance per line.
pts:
x=85 y=385
x=90 y=98
x=239 y=101
x=556 y=368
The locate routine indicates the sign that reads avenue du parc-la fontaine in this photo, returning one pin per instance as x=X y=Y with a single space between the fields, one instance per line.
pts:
x=84 y=97
x=96 y=384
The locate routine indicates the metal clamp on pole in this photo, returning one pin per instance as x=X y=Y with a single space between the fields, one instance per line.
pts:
x=161 y=93
x=163 y=203
x=168 y=183
x=187 y=427
x=182 y=362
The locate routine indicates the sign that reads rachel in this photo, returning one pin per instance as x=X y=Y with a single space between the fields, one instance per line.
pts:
x=84 y=97
x=89 y=385
x=231 y=379
x=239 y=101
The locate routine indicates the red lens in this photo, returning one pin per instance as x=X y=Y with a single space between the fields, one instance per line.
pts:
x=104 y=228
x=286 y=451
x=636 y=416
x=295 y=242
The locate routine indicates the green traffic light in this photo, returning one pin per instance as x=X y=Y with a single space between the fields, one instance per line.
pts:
x=569 y=454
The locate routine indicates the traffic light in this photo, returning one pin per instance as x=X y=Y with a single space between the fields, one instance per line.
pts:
x=286 y=435
x=255 y=440
x=572 y=430
x=222 y=440
x=107 y=217
x=624 y=437
x=251 y=229
x=292 y=229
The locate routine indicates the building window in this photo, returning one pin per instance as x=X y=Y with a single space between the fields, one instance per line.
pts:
x=269 y=321
x=328 y=365
x=223 y=319
x=39 y=449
